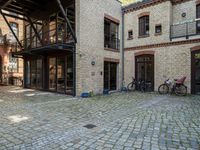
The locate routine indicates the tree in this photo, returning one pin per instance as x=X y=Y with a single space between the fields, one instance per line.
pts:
x=125 y=2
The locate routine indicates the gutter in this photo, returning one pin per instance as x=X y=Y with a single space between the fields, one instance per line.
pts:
x=122 y=82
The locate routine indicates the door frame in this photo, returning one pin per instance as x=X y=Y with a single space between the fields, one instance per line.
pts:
x=1 y=68
x=193 y=71
x=116 y=61
x=65 y=64
x=153 y=62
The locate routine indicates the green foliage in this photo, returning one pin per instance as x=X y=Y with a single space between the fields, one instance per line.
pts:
x=125 y=2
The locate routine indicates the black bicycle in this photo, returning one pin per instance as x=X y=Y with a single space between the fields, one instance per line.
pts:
x=176 y=86
x=140 y=85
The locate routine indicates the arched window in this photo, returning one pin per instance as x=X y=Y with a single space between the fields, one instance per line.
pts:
x=15 y=28
x=144 y=26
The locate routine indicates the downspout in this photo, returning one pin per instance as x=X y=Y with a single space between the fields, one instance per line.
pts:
x=122 y=82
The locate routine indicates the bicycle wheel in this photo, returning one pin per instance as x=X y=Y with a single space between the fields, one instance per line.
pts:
x=180 y=90
x=143 y=86
x=163 y=89
x=131 y=87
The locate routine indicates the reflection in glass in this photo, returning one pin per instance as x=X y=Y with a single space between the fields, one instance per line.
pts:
x=52 y=74
x=33 y=73
x=61 y=74
x=197 y=73
x=39 y=73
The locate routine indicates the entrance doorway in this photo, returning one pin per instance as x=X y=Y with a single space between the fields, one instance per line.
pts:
x=144 y=70
x=110 y=76
x=60 y=74
x=196 y=72
x=1 y=69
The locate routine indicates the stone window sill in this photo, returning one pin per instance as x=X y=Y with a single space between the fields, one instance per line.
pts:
x=143 y=36
x=129 y=38
x=111 y=49
x=158 y=34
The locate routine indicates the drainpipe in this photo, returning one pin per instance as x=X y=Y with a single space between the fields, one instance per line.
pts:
x=122 y=83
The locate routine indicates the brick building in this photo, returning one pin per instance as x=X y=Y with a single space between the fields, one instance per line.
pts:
x=162 y=41
x=76 y=46
x=11 y=69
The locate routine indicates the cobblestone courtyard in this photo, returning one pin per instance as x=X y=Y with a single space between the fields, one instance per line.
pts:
x=41 y=120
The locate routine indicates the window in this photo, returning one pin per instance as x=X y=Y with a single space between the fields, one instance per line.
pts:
x=14 y=26
x=13 y=64
x=130 y=34
x=144 y=26
x=158 y=29
x=198 y=17
x=111 y=30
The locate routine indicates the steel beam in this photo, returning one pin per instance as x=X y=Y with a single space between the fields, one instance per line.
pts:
x=34 y=29
x=67 y=20
x=13 y=16
x=6 y=4
x=11 y=29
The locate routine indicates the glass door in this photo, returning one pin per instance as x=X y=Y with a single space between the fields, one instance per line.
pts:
x=110 y=76
x=61 y=74
x=69 y=75
x=197 y=73
x=52 y=74
x=113 y=76
x=144 y=70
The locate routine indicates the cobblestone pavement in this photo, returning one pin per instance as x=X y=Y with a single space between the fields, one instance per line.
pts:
x=41 y=120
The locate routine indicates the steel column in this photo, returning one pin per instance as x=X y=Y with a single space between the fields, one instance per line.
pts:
x=74 y=70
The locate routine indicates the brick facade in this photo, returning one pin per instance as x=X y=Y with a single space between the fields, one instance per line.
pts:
x=90 y=46
x=5 y=53
x=172 y=59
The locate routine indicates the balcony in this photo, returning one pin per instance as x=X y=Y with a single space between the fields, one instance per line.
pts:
x=187 y=30
x=111 y=42
x=51 y=37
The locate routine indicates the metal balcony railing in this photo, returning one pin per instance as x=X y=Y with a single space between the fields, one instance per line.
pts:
x=111 y=42
x=47 y=38
x=187 y=29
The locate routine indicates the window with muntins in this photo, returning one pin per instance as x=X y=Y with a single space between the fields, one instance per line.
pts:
x=158 y=29
x=15 y=28
x=198 y=17
x=111 y=35
x=130 y=34
x=144 y=26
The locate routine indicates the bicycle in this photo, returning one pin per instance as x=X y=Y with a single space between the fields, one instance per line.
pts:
x=139 y=85
x=176 y=86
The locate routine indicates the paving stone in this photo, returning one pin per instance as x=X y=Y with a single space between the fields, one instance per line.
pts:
x=44 y=120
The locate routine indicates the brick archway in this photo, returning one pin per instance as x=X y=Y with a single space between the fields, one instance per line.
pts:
x=144 y=68
x=195 y=48
x=145 y=53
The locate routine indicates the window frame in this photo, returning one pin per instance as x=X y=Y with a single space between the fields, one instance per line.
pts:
x=111 y=34
x=130 y=36
x=198 y=17
x=156 y=26
x=11 y=34
x=144 y=26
